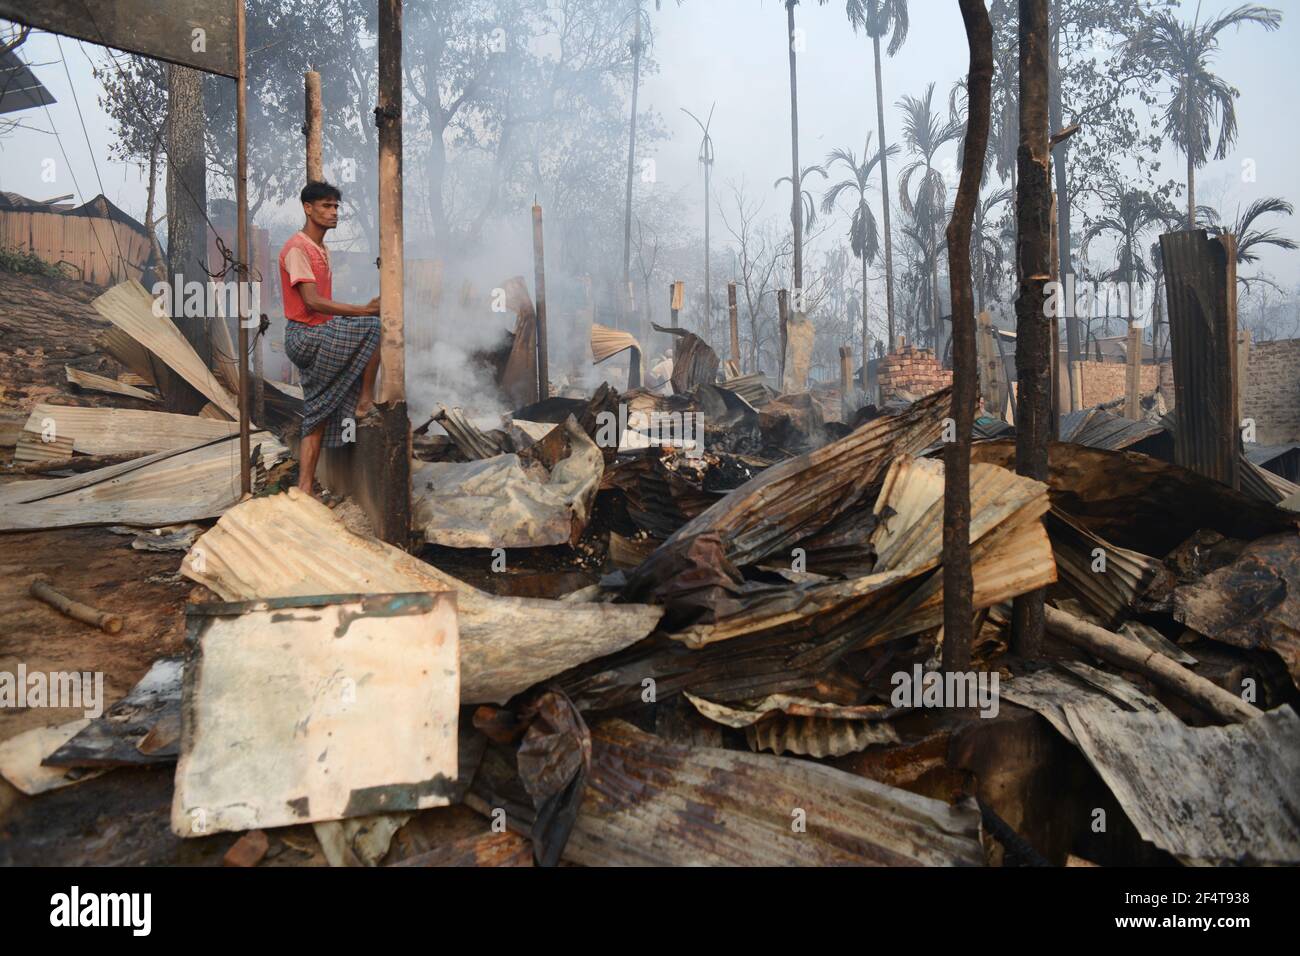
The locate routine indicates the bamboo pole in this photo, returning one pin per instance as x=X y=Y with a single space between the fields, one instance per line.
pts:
x=1128 y=654
x=1133 y=372
x=41 y=590
x=243 y=275
x=783 y=317
x=539 y=273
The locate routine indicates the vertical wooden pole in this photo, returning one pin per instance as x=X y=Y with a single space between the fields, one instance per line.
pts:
x=243 y=275
x=733 y=319
x=783 y=318
x=1034 y=356
x=312 y=127
x=846 y=381
x=1053 y=271
x=539 y=281
x=1133 y=374
x=1243 y=367
x=383 y=457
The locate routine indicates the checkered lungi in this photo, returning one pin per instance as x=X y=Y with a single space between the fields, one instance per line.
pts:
x=331 y=357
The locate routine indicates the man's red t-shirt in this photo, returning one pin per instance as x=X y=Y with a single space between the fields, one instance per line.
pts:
x=303 y=260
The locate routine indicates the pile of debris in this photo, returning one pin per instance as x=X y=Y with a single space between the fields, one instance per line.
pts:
x=748 y=671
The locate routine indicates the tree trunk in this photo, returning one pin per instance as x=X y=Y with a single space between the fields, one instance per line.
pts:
x=796 y=212
x=958 y=583
x=631 y=154
x=187 y=201
x=884 y=196
x=1033 y=255
x=150 y=226
x=1191 y=193
x=1063 y=199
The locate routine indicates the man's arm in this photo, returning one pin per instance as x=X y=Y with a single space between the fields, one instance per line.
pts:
x=316 y=303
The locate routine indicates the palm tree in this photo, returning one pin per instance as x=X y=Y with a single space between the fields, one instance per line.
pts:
x=795 y=219
x=805 y=200
x=987 y=246
x=881 y=18
x=864 y=236
x=1249 y=238
x=926 y=133
x=1183 y=54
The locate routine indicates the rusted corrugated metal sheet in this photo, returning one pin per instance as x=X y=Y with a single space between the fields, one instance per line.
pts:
x=1201 y=287
x=653 y=803
x=1106 y=577
x=1140 y=502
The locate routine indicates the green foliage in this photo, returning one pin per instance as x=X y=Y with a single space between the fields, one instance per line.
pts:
x=26 y=263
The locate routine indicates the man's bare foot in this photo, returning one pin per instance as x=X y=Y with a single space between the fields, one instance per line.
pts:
x=309 y=490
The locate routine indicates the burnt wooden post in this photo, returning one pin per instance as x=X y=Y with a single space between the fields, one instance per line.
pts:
x=383 y=453
x=1034 y=356
x=1133 y=372
x=539 y=282
x=732 y=318
x=312 y=127
x=846 y=380
x=1201 y=285
x=783 y=317
x=242 y=275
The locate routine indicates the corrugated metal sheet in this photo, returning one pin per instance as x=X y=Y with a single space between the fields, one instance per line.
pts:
x=1208 y=795
x=1108 y=593
x=130 y=307
x=101 y=383
x=98 y=251
x=292 y=545
x=115 y=431
x=166 y=488
x=653 y=803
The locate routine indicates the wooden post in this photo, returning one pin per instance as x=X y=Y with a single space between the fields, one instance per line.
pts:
x=1133 y=374
x=1053 y=271
x=243 y=275
x=1201 y=283
x=539 y=281
x=1076 y=385
x=677 y=298
x=1243 y=365
x=382 y=463
x=783 y=316
x=1034 y=340
x=312 y=127
x=846 y=380
x=733 y=319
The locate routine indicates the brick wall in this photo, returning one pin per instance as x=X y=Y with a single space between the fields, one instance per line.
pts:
x=1106 y=381
x=1272 y=393
x=912 y=370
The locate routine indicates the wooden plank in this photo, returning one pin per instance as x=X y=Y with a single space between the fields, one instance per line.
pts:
x=34 y=446
x=1133 y=372
x=161 y=29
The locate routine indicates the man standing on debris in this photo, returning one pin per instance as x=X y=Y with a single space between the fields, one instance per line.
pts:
x=334 y=345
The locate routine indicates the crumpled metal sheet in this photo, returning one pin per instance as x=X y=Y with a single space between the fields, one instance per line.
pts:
x=140 y=729
x=782 y=724
x=694 y=362
x=654 y=803
x=1208 y=795
x=292 y=545
x=505 y=501
x=795 y=499
x=1254 y=602
x=553 y=761
x=1142 y=503
x=1109 y=593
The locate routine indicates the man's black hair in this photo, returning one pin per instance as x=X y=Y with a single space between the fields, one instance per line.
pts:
x=315 y=191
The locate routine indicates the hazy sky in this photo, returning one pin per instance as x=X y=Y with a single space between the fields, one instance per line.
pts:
x=734 y=52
